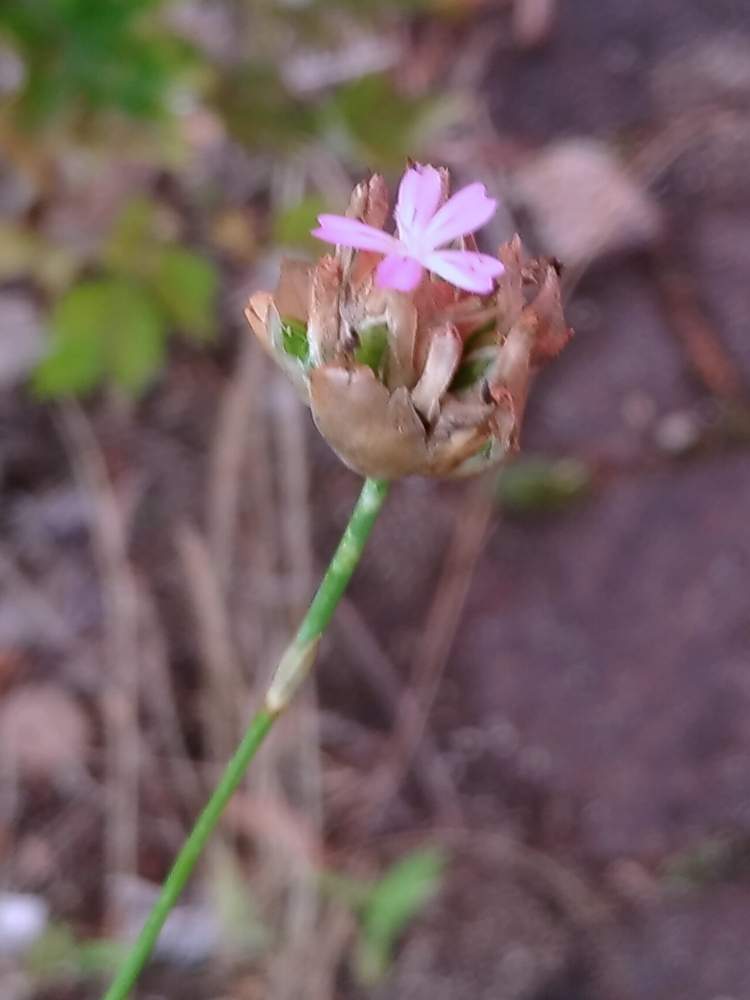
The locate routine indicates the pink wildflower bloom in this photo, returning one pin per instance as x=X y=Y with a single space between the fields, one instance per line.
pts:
x=424 y=226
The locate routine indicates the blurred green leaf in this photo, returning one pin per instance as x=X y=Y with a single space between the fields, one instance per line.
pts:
x=108 y=328
x=133 y=241
x=186 y=284
x=100 y=956
x=136 y=341
x=381 y=126
x=259 y=111
x=91 y=55
x=58 y=953
x=51 y=953
x=538 y=485
x=292 y=226
x=75 y=363
x=243 y=931
x=394 y=902
x=352 y=892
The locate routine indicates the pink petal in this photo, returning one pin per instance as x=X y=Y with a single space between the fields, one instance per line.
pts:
x=401 y=273
x=468 y=210
x=346 y=232
x=474 y=272
x=418 y=199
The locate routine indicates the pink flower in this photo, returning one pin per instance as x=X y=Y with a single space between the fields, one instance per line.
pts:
x=423 y=226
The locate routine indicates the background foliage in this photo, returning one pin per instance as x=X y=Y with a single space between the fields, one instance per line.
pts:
x=90 y=70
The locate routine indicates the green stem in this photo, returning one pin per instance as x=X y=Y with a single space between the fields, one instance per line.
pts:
x=292 y=670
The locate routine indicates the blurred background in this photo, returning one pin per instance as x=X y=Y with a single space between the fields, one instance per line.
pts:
x=523 y=769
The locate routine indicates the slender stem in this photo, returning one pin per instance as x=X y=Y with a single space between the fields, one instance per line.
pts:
x=292 y=670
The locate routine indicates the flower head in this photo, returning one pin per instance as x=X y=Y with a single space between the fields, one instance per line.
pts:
x=429 y=379
x=425 y=223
